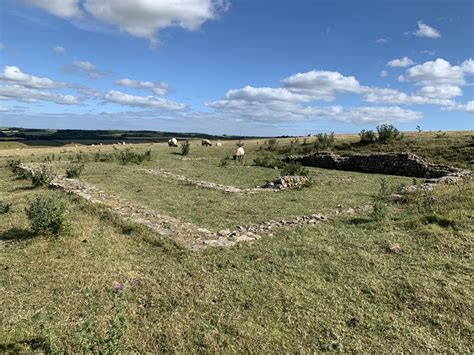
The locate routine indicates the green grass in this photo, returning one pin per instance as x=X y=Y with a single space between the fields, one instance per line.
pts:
x=334 y=286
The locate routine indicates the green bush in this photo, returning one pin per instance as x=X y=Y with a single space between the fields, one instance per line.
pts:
x=324 y=140
x=367 y=137
x=47 y=214
x=294 y=169
x=15 y=168
x=43 y=177
x=74 y=171
x=268 y=161
x=185 y=147
x=387 y=132
x=272 y=144
x=129 y=156
x=5 y=207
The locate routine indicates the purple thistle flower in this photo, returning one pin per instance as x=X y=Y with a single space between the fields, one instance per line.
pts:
x=118 y=287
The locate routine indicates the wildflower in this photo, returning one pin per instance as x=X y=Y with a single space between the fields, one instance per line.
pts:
x=118 y=287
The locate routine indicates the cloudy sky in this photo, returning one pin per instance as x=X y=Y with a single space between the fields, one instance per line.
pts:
x=237 y=66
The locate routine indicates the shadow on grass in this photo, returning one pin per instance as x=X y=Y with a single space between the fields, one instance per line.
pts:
x=23 y=188
x=359 y=220
x=16 y=235
x=41 y=344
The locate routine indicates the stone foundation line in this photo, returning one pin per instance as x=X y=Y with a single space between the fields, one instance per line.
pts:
x=281 y=183
x=186 y=234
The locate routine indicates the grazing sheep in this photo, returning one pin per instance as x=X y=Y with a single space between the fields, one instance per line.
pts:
x=239 y=154
x=206 y=143
x=173 y=142
x=218 y=144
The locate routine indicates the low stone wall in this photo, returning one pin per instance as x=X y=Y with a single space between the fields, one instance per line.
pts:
x=405 y=164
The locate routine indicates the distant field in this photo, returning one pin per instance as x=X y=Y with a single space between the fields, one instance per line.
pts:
x=352 y=283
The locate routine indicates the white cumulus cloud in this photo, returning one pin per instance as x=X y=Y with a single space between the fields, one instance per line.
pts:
x=426 y=31
x=467 y=107
x=61 y=8
x=438 y=72
x=21 y=93
x=400 y=63
x=14 y=75
x=59 y=50
x=85 y=67
x=142 y=101
x=159 y=89
x=321 y=85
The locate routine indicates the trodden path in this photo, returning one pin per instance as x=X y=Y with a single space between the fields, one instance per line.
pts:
x=185 y=234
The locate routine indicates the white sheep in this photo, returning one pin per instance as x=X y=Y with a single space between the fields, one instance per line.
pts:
x=239 y=154
x=173 y=142
x=206 y=143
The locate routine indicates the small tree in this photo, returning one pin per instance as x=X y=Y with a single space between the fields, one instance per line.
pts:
x=387 y=132
x=185 y=147
x=418 y=128
x=367 y=137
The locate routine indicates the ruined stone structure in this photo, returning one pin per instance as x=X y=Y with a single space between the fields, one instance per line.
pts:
x=405 y=164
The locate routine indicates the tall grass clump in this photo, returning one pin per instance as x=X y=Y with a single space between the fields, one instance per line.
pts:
x=90 y=338
x=272 y=144
x=185 y=147
x=128 y=156
x=268 y=161
x=324 y=140
x=74 y=171
x=47 y=214
x=380 y=209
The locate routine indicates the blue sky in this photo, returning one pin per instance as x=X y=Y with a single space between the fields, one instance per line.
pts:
x=237 y=66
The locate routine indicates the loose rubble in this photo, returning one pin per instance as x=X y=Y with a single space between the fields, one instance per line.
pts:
x=287 y=182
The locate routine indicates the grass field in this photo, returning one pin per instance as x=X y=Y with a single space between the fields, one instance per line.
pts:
x=354 y=283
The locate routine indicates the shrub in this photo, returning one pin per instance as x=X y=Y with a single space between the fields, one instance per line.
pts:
x=272 y=144
x=224 y=161
x=294 y=168
x=13 y=165
x=267 y=161
x=367 y=137
x=43 y=177
x=5 y=207
x=47 y=214
x=15 y=168
x=388 y=132
x=185 y=147
x=128 y=156
x=380 y=210
x=324 y=140
x=73 y=171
